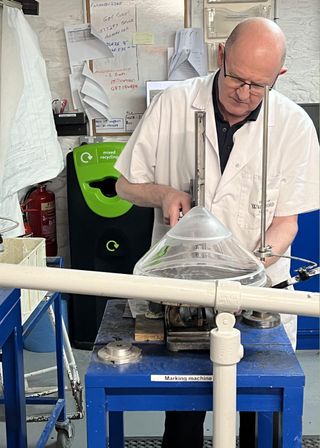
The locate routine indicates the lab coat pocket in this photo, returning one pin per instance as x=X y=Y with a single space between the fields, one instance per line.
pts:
x=249 y=207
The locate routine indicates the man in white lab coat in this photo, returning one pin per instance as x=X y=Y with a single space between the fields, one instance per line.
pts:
x=158 y=161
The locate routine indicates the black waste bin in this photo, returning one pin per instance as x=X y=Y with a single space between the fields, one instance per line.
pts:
x=106 y=233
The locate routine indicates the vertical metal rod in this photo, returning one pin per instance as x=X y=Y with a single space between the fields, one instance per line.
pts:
x=264 y=169
x=276 y=11
x=187 y=13
x=200 y=153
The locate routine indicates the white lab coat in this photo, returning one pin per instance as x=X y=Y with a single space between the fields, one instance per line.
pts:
x=162 y=151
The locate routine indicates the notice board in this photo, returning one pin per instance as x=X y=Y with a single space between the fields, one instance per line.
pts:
x=139 y=33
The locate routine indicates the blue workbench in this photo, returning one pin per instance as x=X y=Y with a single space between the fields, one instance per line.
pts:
x=269 y=380
x=11 y=341
x=12 y=366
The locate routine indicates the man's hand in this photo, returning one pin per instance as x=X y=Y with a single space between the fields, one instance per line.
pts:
x=170 y=200
x=173 y=203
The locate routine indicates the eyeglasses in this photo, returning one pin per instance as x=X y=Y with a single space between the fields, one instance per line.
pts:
x=236 y=82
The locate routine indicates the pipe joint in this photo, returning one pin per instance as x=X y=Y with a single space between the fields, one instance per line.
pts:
x=225 y=345
x=228 y=296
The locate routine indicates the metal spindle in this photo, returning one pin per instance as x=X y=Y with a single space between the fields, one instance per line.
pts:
x=263 y=249
x=200 y=154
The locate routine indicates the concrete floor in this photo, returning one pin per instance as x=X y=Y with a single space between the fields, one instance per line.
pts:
x=150 y=424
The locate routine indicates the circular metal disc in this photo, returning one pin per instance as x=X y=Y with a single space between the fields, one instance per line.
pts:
x=119 y=352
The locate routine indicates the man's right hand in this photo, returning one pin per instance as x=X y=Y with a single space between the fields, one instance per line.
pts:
x=170 y=200
x=174 y=202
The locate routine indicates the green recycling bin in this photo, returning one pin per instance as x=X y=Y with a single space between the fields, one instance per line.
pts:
x=106 y=232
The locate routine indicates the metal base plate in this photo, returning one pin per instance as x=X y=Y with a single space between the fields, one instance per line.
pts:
x=188 y=340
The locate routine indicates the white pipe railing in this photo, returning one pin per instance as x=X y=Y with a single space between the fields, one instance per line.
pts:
x=221 y=295
x=107 y=284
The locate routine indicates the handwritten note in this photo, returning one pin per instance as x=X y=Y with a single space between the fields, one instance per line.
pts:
x=113 y=20
x=119 y=46
x=118 y=74
x=131 y=120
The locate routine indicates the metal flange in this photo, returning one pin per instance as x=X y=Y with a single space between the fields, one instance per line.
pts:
x=259 y=319
x=119 y=352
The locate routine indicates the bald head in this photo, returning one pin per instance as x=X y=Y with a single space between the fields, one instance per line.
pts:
x=252 y=56
x=259 y=38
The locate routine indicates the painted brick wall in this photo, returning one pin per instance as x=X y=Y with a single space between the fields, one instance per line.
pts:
x=300 y=20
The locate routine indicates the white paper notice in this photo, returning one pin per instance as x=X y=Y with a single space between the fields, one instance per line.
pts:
x=82 y=45
x=100 y=107
x=189 y=58
x=92 y=89
x=93 y=96
x=76 y=80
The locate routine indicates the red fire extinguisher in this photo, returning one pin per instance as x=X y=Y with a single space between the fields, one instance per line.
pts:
x=41 y=215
